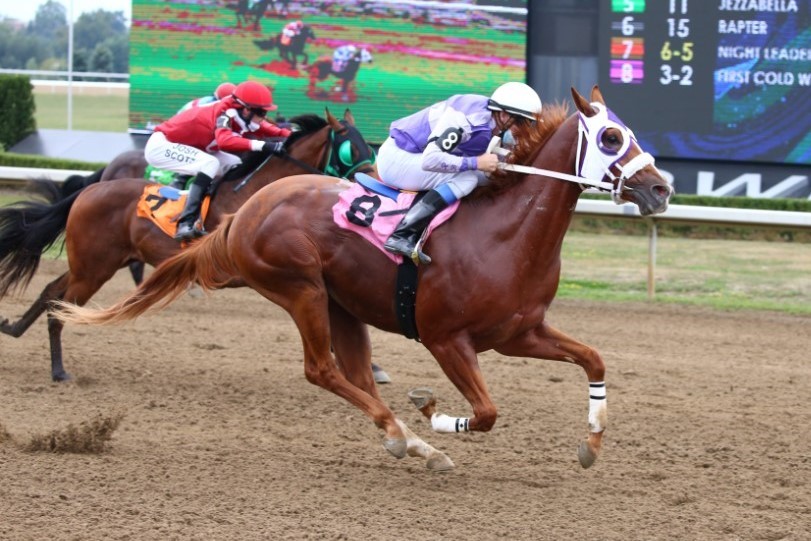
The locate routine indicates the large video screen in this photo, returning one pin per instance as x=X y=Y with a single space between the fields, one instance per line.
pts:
x=717 y=80
x=407 y=54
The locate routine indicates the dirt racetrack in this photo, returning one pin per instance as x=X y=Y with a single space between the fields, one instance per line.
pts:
x=223 y=438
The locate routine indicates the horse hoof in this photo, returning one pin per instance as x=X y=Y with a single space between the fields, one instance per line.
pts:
x=422 y=397
x=586 y=454
x=396 y=446
x=60 y=377
x=380 y=375
x=439 y=462
x=195 y=292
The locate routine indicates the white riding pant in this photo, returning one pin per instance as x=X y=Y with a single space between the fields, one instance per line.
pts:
x=403 y=170
x=186 y=160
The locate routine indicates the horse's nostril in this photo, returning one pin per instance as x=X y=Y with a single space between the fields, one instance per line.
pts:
x=662 y=191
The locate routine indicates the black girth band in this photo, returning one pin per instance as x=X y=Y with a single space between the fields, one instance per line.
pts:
x=405 y=298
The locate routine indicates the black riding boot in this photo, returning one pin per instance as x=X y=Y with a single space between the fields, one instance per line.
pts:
x=404 y=239
x=191 y=212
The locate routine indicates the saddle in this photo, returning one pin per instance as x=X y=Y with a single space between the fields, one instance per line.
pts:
x=163 y=205
x=373 y=209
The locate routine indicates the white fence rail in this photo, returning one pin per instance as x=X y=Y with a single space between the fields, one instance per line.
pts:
x=593 y=207
x=12 y=175
x=696 y=215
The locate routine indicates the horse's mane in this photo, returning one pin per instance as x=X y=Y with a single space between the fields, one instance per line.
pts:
x=307 y=124
x=530 y=139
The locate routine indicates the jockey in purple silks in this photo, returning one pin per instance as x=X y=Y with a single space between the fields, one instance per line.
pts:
x=443 y=149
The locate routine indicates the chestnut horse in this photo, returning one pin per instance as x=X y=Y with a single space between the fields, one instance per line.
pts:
x=495 y=271
x=103 y=232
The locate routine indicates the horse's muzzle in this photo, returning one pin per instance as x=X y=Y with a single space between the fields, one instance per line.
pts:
x=650 y=197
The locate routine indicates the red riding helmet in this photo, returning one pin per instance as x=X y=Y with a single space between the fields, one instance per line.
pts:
x=253 y=95
x=224 y=90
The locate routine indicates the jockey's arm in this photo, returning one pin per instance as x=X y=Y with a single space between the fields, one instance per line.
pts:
x=268 y=129
x=447 y=134
x=229 y=141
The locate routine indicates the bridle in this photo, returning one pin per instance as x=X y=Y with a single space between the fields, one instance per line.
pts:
x=339 y=160
x=594 y=161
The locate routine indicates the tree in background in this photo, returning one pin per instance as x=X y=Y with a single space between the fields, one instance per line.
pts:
x=100 y=41
x=105 y=36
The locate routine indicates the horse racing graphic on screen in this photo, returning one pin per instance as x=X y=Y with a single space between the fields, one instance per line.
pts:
x=383 y=59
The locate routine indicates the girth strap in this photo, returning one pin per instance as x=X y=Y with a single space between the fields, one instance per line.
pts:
x=405 y=298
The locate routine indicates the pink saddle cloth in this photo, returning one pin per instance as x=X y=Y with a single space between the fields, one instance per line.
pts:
x=374 y=216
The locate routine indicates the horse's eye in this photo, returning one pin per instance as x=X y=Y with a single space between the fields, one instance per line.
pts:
x=345 y=153
x=610 y=141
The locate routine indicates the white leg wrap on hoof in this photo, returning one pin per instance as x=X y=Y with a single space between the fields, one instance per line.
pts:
x=598 y=410
x=444 y=423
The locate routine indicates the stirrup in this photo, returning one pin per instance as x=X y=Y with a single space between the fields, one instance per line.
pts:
x=418 y=256
x=189 y=232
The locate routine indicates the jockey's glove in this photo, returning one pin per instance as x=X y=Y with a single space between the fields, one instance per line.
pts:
x=273 y=147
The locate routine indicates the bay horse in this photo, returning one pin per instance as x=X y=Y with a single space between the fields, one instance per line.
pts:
x=246 y=10
x=291 y=51
x=495 y=271
x=103 y=233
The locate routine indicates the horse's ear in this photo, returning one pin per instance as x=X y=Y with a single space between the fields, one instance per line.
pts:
x=349 y=117
x=336 y=125
x=596 y=95
x=582 y=104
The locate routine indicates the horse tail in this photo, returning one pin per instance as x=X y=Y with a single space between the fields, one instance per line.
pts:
x=52 y=191
x=74 y=183
x=205 y=263
x=27 y=230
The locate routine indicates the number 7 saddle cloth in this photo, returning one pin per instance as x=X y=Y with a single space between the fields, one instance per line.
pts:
x=163 y=205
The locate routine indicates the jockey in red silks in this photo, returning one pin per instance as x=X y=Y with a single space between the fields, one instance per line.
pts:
x=443 y=148
x=291 y=30
x=201 y=141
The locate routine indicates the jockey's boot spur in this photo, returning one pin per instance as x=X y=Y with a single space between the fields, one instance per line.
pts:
x=191 y=212
x=404 y=239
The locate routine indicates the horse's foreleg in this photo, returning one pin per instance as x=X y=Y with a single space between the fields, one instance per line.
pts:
x=545 y=342
x=53 y=291
x=137 y=271
x=459 y=362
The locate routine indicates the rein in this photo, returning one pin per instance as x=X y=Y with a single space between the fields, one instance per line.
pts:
x=335 y=161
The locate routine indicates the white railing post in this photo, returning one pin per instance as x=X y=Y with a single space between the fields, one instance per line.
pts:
x=652 y=236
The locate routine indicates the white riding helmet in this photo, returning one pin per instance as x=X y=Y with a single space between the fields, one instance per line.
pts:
x=517 y=99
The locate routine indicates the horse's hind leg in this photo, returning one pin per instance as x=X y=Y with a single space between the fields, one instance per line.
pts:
x=352 y=348
x=305 y=299
x=353 y=353
x=53 y=291
x=545 y=342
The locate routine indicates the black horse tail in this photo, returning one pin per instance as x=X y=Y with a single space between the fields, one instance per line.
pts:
x=27 y=230
x=205 y=263
x=74 y=183
x=52 y=191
